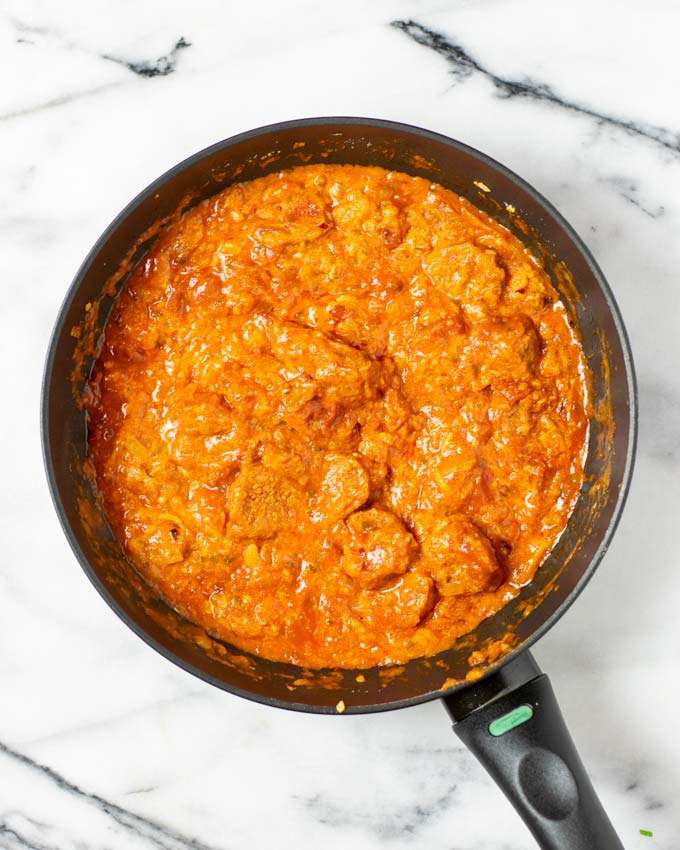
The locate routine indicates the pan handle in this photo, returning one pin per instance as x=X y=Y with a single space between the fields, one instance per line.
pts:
x=511 y=721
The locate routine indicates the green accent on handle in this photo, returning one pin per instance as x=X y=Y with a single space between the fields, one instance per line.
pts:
x=508 y=721
x=647 y=832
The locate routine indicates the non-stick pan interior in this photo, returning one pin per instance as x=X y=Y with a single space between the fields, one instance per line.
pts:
x=502 y=195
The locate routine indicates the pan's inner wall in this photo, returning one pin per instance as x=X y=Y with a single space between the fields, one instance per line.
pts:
x=470 y=175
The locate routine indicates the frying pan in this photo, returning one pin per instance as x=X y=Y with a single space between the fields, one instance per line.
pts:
x=501 y=704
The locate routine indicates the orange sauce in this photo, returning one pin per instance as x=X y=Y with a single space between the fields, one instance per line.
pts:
x=339 y=416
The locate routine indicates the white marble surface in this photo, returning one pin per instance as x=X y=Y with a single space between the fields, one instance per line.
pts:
x=103 y=744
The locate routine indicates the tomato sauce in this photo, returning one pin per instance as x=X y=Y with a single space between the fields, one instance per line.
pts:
x=338 y=417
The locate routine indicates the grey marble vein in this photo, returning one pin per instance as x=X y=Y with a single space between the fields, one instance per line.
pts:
x=12 y=837
x=629 y=190
x=383 y=824
x=463 y=65
x=648 y=801
x=121 y=717
x=156 y=834
x=62 y=100
x=160 y=67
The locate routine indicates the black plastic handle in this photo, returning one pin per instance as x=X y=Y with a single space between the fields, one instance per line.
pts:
x=513 y=724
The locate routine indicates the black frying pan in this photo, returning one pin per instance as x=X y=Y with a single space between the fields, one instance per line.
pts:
x=501 y=704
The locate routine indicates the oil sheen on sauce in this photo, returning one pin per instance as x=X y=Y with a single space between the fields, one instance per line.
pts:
x=338 y=417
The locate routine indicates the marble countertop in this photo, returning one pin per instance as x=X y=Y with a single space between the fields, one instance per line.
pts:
x=104 y=745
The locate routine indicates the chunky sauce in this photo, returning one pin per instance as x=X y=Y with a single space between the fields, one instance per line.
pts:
x=338 y=417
